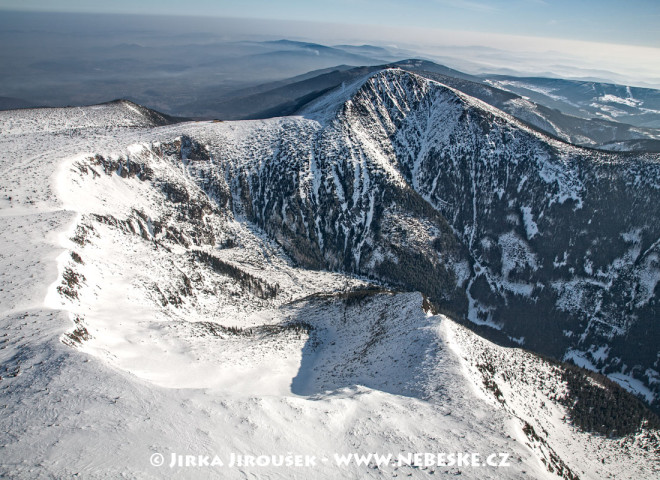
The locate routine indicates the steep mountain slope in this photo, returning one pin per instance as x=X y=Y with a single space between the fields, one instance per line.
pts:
x=420 y=186
x=179 y=318
x=562 y=240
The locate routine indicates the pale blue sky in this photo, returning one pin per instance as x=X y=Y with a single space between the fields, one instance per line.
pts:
x=632 y=22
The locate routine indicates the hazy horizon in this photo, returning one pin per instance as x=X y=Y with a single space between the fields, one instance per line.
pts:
x=471 y=51
x=192 y=66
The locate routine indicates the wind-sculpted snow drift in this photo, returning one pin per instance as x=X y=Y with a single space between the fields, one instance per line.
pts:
x=254 y=287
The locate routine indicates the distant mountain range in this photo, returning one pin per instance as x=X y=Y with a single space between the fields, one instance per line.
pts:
x=619 y=103
x=232 y=80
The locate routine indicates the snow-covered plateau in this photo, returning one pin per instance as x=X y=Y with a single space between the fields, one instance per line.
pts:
x=300 y=286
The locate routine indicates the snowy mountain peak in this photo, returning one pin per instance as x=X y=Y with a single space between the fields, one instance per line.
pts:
x=396 y=87
x=500 y=224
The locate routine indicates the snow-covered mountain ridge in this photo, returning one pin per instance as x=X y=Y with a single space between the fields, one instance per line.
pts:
x=181 y=254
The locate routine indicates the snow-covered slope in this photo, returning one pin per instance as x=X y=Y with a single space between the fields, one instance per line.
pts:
x=155 y=300
x=632 y=105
